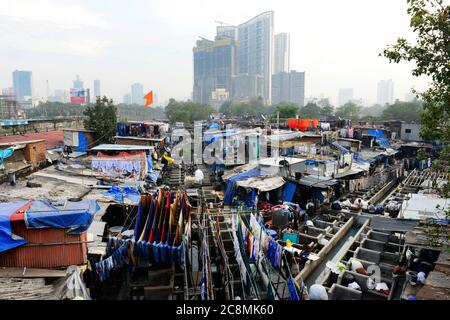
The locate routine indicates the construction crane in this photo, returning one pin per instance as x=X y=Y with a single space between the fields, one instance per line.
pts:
x=224 y=23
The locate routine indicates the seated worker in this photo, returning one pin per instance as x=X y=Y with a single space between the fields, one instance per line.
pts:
x=336 y=205
x=317 y=292
x=310 y=207
x=357 y=266
x=371 y=208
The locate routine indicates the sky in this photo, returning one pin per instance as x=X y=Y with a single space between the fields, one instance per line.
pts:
x=147 y=41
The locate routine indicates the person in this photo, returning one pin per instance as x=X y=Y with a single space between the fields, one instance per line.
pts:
x=317 y=292
x=358 y=267
x=310 y=207
x=371 y=208
x=391 y=207
x=336 y=205
x=199 y=176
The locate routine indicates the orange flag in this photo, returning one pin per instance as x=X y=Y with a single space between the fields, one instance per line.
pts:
x=149 y=99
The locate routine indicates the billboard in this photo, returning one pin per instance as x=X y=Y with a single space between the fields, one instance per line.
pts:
x=77 y=96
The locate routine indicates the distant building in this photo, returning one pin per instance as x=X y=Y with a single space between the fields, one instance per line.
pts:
x=281 y=53
x=410 y=132
x=288 y=87
x=22 y=85
x=61 y=96
x=97 y=91
x=137 y=93
x=345 y=95
x=127 y=98
x=255 y=51
x=385 y=92
x=219 y=96
x=214 y=67
x=239 y=60
x=78 y=83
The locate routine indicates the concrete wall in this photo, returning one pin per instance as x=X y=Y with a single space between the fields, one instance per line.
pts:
x=311 y=265
x=413 y=135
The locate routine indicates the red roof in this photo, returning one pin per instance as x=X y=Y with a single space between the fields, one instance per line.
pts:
x=53 y=139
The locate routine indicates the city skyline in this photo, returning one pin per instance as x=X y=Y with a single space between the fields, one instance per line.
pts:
x=165 y=53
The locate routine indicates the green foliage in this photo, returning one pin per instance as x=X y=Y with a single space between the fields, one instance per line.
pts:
x=135 y=112
x=327 y=111
x=225 y=108
x=310 y=111
x=431 y=55
x=50 y=110
x=187 y=112
x=287 y=110
x=403 y=111
x=102 y=118
x=253 y=108
x=350 y=110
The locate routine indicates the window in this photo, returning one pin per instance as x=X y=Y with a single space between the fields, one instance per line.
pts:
x=407 y=130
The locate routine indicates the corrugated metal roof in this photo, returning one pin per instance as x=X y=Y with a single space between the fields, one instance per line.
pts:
x=53 y=139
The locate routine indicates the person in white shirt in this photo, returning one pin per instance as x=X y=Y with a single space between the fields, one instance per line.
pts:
x=199 y=176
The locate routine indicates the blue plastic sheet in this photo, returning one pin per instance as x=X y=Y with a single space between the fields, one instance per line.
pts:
x=7 y=240
x=288 y=191
x=5 y=153
x=214 y=125
x=122 y=194
x=231 y=186
x=83 y=143
x=77 y=216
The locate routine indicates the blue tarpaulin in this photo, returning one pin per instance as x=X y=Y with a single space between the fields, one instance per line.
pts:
x=7 y=240
x=214 y=125
x=121 y=194
x=288 y=191
x=376 y=133
x=5 y=153
x=231 y=187
x=77 y=215
x=210 y=138
x=83 y=143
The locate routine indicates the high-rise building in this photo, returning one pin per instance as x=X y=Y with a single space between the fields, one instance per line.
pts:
x=127 y=98
x=385 y=92
x=255 y=51
x=288 y=87
x=22 y=84
x=137 y=93
x=214 y=67
x=61 y=96
x=78 y=83
x=281 y=53
x=345 y=95
x=97 y=88
x=239 y=60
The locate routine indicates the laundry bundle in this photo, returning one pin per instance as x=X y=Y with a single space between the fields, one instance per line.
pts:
x=118 y=259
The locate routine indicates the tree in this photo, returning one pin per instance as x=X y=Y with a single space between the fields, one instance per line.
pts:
x=327 y=111
x=187 y=112
x=49 y=110
x=350 y=110
x=403 y=111
x=225 y=108
x=287 y=110
x=310 y=111
x=102 y=118
x=431 y=54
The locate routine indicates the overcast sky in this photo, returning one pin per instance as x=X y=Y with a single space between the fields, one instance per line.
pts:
x=121 y=42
